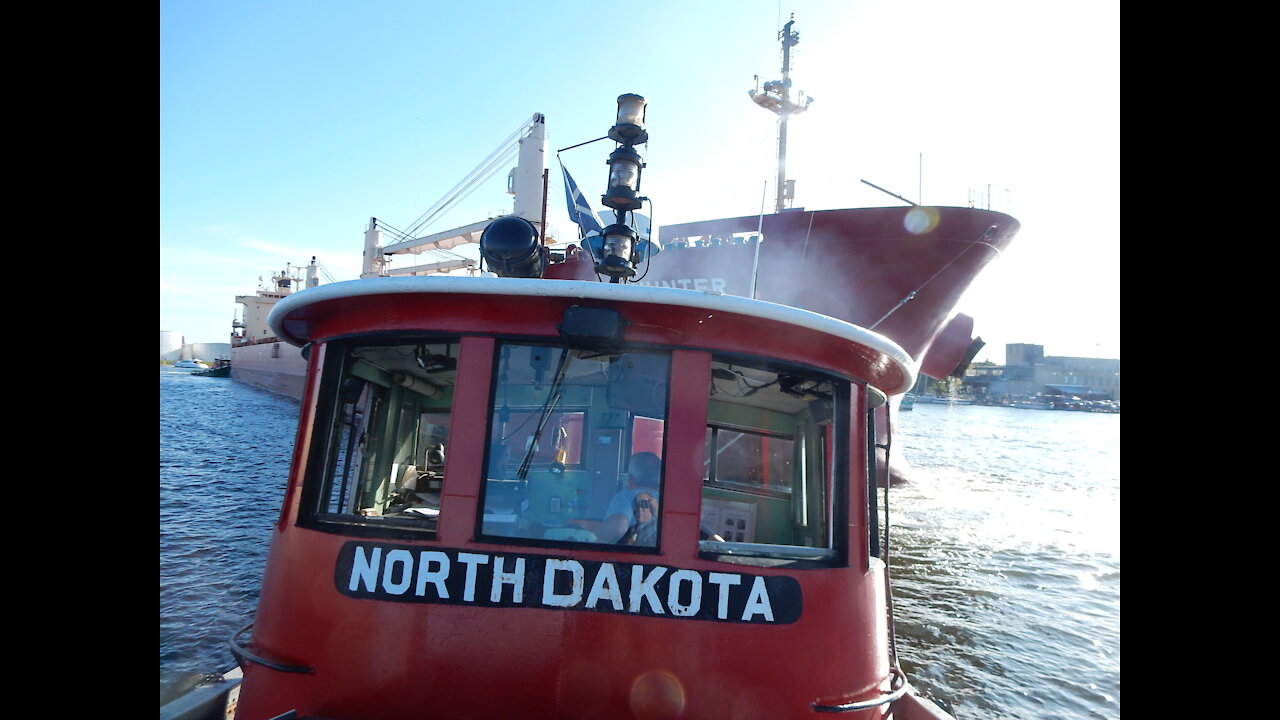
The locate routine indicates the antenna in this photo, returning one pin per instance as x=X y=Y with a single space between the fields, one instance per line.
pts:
x=776 y=97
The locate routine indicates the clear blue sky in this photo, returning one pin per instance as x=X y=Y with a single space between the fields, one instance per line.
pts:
x=286 y=125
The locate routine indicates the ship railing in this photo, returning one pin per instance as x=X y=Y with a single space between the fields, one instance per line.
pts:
x=244 y=342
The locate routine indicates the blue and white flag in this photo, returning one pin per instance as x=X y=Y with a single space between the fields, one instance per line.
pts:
x=579 y=209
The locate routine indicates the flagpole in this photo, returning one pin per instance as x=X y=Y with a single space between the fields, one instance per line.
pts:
x=579 y=209
x=546 y=185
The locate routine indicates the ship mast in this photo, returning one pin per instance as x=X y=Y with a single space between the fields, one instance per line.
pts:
x=776 y=97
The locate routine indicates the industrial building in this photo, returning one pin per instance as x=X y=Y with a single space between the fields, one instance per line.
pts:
x=1028 y=372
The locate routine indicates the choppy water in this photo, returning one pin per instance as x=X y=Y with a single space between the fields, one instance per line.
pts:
x=1006 y=565
x=224 y=459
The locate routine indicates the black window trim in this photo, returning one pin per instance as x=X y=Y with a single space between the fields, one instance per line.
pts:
x=310 y=516
x=838 y=483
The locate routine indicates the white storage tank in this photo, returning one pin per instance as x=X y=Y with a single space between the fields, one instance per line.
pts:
x=170 y=344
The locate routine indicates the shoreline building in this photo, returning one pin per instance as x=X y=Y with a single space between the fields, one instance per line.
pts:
x=1028 y=372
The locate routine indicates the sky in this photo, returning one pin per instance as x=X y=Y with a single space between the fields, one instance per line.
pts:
x=286 y=125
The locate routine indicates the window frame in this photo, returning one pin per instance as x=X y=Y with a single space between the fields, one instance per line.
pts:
x=327 y=428
x=626 y=434
x=838 y=450
x=712 y=461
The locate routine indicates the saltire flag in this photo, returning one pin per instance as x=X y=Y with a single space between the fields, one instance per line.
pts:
x=579 y=210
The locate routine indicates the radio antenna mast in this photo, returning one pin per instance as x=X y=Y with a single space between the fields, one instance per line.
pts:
x=776 y=97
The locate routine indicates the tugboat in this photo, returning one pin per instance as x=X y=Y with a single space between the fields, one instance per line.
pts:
x=221 y=367
x=630 y=479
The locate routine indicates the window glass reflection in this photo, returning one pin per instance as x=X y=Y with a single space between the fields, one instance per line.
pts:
x=575 y=446
x=768 y=468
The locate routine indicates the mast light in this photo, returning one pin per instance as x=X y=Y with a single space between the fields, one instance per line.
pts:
x=624 y=180
x=619 y=241
x=629 y=128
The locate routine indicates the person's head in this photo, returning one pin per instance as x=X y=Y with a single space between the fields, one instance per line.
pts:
x=645 y=469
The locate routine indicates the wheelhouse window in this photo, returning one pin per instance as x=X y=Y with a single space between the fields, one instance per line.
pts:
x=773 y=437
x=383 y=435
x=575 y=446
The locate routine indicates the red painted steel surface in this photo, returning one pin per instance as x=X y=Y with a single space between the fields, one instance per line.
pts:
x=855 y=264
x=669 y=325
x=388 y=660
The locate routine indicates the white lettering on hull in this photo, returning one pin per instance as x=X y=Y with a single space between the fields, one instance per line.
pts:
x=408 y=574
x=715 y=284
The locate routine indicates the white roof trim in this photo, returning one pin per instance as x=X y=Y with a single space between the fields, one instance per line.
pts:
x=588 y=290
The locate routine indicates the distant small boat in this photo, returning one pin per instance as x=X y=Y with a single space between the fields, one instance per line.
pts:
x=191 y=365
x=220 y=368
x=942 y=400
x=908 y=402
x=1031 y=405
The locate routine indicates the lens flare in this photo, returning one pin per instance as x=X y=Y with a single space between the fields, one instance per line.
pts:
x=657 y=695
x=920 y=220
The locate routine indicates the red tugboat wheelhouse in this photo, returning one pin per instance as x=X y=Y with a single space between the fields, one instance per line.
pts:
x=565 y=490
x=447 y=549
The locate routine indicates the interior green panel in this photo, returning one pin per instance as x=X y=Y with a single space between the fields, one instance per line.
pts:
x=734 y=415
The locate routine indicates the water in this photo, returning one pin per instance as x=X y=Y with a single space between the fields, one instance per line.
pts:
x=225 y=450
x=1006 y=546
x=1006 y=562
